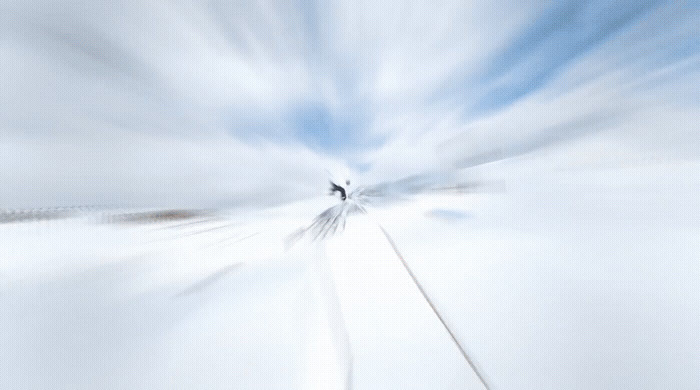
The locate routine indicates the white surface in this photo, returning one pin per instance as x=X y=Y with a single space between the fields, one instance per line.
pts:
x=575 y=279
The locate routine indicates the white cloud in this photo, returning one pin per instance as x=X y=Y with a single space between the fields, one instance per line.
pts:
x=170 y=81
x=628 y=89
x=135 y=169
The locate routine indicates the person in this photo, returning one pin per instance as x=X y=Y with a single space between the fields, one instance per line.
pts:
x=336 y=188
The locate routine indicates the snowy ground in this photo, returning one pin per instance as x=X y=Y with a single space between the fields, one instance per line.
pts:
x=577 y=279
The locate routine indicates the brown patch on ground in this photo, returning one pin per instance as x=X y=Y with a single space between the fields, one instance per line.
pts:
x=153 y=216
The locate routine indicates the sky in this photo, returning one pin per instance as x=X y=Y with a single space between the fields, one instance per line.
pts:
x=251 y=104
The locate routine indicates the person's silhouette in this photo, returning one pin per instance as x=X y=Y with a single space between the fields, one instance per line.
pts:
x=336 y=188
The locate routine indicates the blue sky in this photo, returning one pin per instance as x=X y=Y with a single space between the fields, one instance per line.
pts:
x=216 y=103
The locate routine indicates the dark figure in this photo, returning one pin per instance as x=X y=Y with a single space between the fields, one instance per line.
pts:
x=335 y=187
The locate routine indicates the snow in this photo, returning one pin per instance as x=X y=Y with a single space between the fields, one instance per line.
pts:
x=569 y=278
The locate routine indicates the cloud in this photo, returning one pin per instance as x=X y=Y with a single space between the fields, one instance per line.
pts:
x=628 y=85
x=132 y=169
x=101 y=100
